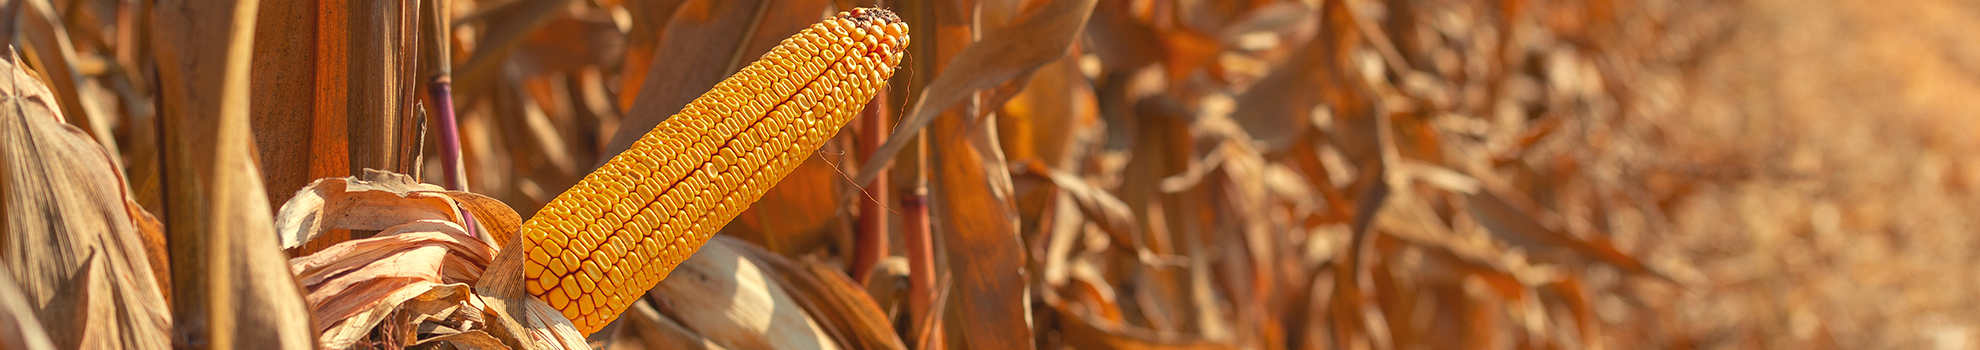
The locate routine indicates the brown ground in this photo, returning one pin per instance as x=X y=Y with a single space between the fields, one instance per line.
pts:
x=1850 y=221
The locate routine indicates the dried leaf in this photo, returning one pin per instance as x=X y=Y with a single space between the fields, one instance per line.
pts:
x=1065 y=228
x=509 y=24
x=379 y=200
x=642 y=41
x=1162 y=149
x=1085 y=332
x=519 y=320
x=975 y=214
x=464 y=340
x=496 y=221
x=571 y=43
x=1277 y=110
x=67 y=221
x=1045 y=118
x=1580 y=304
x=1039 y=38
x=229 y=287
x=887 y=285
x=371 y=276
x=842 y=307
x=1102 y=208
x=1310 y=327
x=356 y=204
x=1517 y=224
x=19 y=329
x=342 y=333
x=736 y=302
x=1130 y=43
x=49 y=45
x=706 y=41
x=659 y=332
x=798 y=215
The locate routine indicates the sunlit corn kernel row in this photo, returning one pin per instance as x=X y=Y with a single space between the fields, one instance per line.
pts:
x=601 y=244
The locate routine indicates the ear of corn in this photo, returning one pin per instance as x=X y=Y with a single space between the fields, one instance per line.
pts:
x=600 y=245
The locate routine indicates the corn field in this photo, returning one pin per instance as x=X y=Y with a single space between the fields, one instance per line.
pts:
x=988 y=174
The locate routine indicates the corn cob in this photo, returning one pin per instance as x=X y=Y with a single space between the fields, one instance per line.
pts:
x=600 y=245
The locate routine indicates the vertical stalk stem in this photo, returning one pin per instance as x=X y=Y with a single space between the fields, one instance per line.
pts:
x=440 y=91
x=920 y=245
x=870 y=235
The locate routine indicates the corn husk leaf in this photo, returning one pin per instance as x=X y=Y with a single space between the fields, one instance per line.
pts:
x=71 y=237
x=410 y=283
x=842 y=308
x=737 y=302
x=380 y=200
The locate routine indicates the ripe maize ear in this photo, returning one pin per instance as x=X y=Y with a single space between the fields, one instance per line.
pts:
x=600 y=245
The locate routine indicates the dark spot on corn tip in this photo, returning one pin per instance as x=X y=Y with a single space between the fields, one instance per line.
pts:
x=864 y=15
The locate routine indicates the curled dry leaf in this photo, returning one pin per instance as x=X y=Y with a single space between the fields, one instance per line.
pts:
x=887 y=285
x=68 y=228
x=419 y=266
x=358 y=281
x=379 y=200
x=1106 y=211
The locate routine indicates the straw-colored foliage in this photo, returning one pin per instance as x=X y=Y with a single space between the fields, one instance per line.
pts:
x=1021 y=174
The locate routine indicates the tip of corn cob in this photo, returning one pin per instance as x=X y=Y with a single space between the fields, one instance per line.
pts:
x=867 y=14
x=600 y=245
x=887 y=33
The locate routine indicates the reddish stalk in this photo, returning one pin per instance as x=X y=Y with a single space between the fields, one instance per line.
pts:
x=440 y=90
x=870 y=234
x=916 y=237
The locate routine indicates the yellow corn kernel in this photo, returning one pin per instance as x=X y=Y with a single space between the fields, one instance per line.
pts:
x=600 y=245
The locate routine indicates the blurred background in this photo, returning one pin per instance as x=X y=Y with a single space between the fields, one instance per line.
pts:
x=1198 y=174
